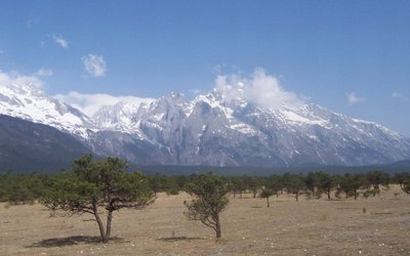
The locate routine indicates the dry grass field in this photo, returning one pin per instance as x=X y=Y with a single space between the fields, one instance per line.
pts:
x=307 y=227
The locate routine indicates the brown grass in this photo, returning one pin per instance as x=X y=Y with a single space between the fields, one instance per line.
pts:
x=307 y=227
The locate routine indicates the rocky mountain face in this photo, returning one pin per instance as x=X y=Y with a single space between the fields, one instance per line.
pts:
x=212 y=130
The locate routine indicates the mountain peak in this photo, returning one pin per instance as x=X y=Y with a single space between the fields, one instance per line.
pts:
x=24 y=98
x=216 y=128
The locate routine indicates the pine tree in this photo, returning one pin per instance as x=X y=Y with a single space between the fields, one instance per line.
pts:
x=209 y=201
x=96 y=187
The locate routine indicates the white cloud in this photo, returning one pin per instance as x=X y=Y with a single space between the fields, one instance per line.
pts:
x=262 y=89
x=91 y=103
x=58 y=39
x=44 y=72
x=353 y=98
x=94 y=65
x=2 y=52
x=14 y=79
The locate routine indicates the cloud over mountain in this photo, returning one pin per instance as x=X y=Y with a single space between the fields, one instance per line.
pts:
x=260 y=88
x=244 y=121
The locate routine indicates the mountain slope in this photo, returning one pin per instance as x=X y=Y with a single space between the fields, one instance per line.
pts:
x=29 y=146
x=211 y=130
x=214 y=129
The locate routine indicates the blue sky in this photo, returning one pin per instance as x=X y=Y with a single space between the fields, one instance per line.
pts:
x=350 y=56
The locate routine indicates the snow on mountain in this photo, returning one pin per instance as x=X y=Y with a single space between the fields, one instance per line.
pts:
x=23 y=97
x=212 y=130
x=122 y=116
x=230 y=126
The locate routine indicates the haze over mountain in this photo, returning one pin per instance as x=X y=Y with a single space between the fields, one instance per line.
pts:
x=243 y=121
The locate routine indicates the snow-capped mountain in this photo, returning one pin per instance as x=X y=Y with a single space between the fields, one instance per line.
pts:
x=212 y=129
x=24 y=98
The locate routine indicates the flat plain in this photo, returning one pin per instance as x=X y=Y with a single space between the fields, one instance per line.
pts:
x=373 y=226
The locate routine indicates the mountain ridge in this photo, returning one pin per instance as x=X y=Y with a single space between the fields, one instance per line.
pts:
x=213 y=129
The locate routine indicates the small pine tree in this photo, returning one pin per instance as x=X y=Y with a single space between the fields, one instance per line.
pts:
x=209 y=201
x=95 y=186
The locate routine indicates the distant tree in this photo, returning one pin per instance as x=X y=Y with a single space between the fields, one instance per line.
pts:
x=209 y=200
x=377 y=179
x=312 y=182
x=266 y=193
x=326 y=183
x=295 y=184
x=171 y=186
x=156 y=183
x=181 y=181
x=253 y=184
x=350 y=184
x=94 y=186
x=239 y=185
x=400 y=178
x=274 y=183
x=21 y=189
x=404 y=181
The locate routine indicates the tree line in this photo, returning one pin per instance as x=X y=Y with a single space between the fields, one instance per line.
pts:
x=102 y=187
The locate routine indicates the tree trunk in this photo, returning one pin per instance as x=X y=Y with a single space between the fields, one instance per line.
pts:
x=297 y=196
x=100 y=224
x=355 y=194
x=267 y=202
x=328 y=193
x=254 y=194
x=375 y=190
x=218 y=227
x=109 y=221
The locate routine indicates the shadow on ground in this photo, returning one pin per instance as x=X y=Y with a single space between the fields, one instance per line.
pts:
x=71 y=240
x=178 y=238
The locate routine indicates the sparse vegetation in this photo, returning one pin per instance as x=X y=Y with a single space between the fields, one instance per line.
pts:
x=101 y=187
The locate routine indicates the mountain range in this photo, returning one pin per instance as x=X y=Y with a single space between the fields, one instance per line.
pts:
x=38 y=131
